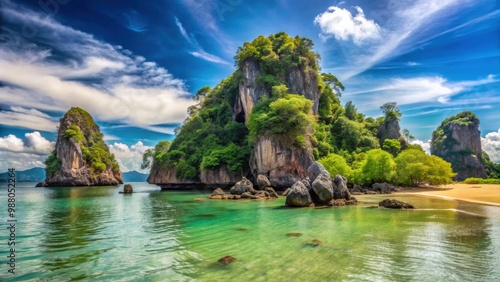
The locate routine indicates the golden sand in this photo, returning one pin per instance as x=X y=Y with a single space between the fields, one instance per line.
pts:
x=488 y=194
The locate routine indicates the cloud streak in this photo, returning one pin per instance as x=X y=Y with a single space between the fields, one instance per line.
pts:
x=199 y=53
x=62 y=67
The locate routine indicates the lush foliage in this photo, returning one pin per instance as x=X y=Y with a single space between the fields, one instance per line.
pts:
x=392 y=146
x=414 y=168
x=336 y=164
x=492 y=169
x=378 y=166
x=288 y=118
x=157 y=155
x=473 y=180
x=53 y=164
x=209 y=136
x=74 y=133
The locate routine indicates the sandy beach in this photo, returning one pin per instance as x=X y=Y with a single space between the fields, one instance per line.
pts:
x=488 y=194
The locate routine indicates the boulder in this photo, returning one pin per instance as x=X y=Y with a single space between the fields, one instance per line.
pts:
x=340 y=190
x=382 y=188
x=298 y=196
x=127 y=189
x=246 y=195
x=307 y=183
x=271 y=192
x=314 y=170
x=287 y=191
x=263 y=182
x=395 y=204
x=218 y=191
x=242 y=186
x=322 y=186
x=216 y=197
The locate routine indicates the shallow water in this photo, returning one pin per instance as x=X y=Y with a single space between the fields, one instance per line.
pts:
x=100 y=235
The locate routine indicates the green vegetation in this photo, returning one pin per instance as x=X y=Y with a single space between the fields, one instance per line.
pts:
x=288 y=118
x=392 y=146
x=336 y=164
x=209 y=136
x=492 y=169
x=473 y=180
x=377 y=167
x=85 y=132
x=414 y=168
x=53 y=164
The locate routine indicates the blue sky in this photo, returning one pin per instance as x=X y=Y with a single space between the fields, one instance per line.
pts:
x=135 y=64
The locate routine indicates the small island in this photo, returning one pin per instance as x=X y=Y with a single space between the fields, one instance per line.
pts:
x=81 y=157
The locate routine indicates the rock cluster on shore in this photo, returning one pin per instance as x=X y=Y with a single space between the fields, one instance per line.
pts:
x=244 y=190
x=319 y=189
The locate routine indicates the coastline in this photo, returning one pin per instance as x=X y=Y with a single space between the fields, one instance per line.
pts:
x=486 y=194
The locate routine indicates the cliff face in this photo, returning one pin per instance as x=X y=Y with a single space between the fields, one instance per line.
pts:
x=389 y=130
x=458 y=141
x=249 y=91
x=282 y=165
x=304 y=81
x=217 y=177
x=73 y=162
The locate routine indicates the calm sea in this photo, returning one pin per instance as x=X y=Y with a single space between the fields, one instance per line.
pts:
x=97 y=234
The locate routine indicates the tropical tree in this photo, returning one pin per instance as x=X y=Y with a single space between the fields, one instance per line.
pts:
x=336 y=164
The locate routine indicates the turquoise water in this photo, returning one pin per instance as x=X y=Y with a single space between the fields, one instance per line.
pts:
x=97 y=234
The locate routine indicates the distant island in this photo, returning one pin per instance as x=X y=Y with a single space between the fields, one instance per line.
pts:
x=134 y=176
x=35 y=174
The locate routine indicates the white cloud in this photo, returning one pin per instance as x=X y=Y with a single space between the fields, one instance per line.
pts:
x=27 y=118
x=123 y=87
x=199 y=53
x=415 y=90
x=491 y=145
x=425 y=145
x=129 y=158
x=403 y=28
x=412 y=64
x=24 y=154
x=341 y=24
x=33 y=143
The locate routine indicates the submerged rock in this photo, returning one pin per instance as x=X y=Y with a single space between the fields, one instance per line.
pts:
x=298 y=196
x=395 y=204
x=226 y=260
x=294 y=234
x=127 y=189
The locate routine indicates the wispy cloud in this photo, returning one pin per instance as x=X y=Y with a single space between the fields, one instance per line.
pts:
x=110 y=82
x=407 y=91
x=397 y=35
x=199 y=53
x=135 y=21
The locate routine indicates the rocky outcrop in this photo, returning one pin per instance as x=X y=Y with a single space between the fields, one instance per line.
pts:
x=249 y=91
x=323 y=190
x=263 y=182
x=298 y=196
x=389 y=130
x=81 y=158
x=340 y=190
x=322 y=187
x=304 y=81
x=395 y=204
x=458 y=141
x=242 y=186
x=127 y=189
x=220 y=176
x=282 y=165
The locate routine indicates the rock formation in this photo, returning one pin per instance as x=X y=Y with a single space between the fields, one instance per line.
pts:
x=81 y=158
x=319 y=189
x=458 y=141
x=282 y=165
x=395 y=204
x=389 y=130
